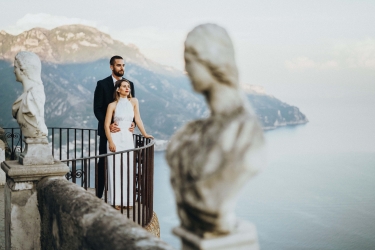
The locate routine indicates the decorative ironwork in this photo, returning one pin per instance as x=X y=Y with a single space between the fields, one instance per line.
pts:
x=141 y=210
x=74 y=174
x=13 y=148
x=78 y=148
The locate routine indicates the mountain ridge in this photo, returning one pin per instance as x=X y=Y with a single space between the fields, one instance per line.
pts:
x=167 y=100
x=74 y=44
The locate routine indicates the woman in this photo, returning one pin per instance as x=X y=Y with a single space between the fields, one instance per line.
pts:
x=123 y=109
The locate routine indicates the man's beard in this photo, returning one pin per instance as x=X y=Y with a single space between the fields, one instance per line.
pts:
x=118 y=73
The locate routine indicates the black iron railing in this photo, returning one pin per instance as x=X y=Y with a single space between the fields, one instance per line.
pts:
x=78 y=148
x=13 y=142
x=65 y=143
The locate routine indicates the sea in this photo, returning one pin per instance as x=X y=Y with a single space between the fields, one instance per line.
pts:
x=317 y=190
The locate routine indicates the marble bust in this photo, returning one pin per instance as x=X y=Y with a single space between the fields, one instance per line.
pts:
x=28 y=109
x=211 y=159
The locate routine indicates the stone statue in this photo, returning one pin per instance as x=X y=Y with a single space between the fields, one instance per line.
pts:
x=28 y=109
x=211 y=159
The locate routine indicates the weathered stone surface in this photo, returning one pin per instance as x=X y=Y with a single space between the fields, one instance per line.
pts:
x=20 y=173
x=2 y=158
x=37 y=152
x=154 y=227
x=212 y=159
x=22 y=220
x=72 y=218
x=2 y=216
x=244 y=237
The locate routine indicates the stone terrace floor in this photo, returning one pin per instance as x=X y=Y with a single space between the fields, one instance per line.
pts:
x=2 y=214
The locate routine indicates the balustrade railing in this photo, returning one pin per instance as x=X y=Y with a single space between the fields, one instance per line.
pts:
x=13 y=142
x=78 y=148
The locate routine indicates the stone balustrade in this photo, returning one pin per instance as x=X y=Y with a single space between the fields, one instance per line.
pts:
x=2 y=156
x=72 y=218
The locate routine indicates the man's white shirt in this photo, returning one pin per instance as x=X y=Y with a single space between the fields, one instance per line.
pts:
x=114 y=80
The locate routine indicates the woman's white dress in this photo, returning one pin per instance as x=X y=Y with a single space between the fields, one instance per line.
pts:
x=123 y=140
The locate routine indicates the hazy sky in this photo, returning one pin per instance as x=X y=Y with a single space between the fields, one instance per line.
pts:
x=277 y=43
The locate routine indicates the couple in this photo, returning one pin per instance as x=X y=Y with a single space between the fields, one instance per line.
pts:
x=117 y=111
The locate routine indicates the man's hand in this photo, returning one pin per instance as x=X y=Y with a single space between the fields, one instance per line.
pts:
x=114 y=128
x=131 y=129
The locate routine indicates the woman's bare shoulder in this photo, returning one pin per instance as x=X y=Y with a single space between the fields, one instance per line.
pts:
x=134 y=100
x=112 y=104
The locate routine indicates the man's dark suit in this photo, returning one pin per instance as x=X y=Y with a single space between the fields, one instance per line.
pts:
x=103 y=96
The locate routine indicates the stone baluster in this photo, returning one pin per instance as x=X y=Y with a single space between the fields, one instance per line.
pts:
x=2 y=156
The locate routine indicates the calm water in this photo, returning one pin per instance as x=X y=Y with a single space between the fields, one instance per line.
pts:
x=318 y=189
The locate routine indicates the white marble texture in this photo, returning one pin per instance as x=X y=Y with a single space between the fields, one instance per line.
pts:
x=211 y=159
x=28 y=109
x=244 y=237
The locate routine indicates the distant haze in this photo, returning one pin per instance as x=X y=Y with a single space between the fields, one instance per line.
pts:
x=277 y=42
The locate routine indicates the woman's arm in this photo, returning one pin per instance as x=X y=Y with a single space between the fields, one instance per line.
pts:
x=138 y=120
x=107 y=123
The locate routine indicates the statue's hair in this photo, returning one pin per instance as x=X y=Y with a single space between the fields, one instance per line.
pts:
x=30 y=65
x=211 y=45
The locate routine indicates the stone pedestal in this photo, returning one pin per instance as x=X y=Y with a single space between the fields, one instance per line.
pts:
x=245 y=237
x=37 y=152
x=22 y=220
x=2 y=158
x=2 y=155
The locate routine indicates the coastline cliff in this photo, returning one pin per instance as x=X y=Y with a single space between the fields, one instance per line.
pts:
x=75 y=57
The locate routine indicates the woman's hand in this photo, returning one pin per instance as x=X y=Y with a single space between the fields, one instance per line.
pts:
x=112 y=147
x=148 y=136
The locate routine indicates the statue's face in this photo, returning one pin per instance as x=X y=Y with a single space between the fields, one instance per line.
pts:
x=199 y=75
x=17 y=72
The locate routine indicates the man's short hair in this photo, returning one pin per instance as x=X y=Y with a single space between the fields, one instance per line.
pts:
x=112 y=61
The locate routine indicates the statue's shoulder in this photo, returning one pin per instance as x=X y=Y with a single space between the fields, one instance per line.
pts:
x=192 y=127
x=186 y=137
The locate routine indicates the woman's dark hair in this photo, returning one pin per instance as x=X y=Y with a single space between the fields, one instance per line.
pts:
x=116 y=94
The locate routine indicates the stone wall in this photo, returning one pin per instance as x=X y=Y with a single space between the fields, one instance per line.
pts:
x=72 y=218
x=2 y=157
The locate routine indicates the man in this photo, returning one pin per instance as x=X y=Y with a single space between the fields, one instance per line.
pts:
x=103 y=95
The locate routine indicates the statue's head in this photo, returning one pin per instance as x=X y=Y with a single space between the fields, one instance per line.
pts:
x=209 y=55
x=27 y=65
